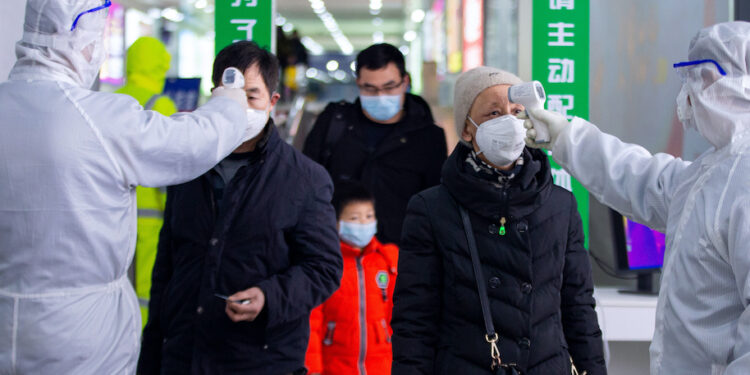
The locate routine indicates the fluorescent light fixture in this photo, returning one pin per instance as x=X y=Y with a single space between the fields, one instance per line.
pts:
x=377 y=21
x=339 y=75
x=311 y=72
x=172 y=14
x=314 y=47
x=410 y=35
x=201 y=4
x=417 y=15
x=353 y=66
x=378 y=37
x=280 y=20
x=288 y=27
x=332 y=65
x=332 y=26
x=404 y=50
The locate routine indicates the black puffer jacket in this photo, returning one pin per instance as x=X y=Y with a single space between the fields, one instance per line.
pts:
x=275 y=229
x=538 y=277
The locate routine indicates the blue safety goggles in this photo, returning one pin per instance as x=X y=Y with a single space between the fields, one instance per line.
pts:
x=698 y=62
x=107 y=4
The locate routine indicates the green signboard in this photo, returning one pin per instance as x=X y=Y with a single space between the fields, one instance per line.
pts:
x=237 y=20
x=560 y=55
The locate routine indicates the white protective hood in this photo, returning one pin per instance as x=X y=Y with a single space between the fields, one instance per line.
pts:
x=721 y=104
x=49 y=50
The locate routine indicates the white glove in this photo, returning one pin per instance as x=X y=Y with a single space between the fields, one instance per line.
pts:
x=238 y=95
x=554 y=122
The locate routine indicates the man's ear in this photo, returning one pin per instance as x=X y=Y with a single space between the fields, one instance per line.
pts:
x=275 y=99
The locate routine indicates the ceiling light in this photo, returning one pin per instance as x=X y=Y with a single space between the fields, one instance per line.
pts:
x=353 y=66
x=377 y=37
x=172 y=14
x=280 y=20
x=374 y=12
x=201 y=4
x=410 y=35
x=288 y=27
x=314 y=47
x=404 y=50
x=332 y=65
x=377 y=21
x=417 y=16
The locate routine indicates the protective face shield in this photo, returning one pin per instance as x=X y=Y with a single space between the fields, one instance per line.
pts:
x=62 y=40
x=381 y=107
x=356 y=234
x=500 y=139
x=717 y=83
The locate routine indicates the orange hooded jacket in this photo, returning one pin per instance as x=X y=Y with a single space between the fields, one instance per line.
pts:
x=351 y=331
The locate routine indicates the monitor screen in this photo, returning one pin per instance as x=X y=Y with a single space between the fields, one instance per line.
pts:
x=645 y=246
x=637 y=247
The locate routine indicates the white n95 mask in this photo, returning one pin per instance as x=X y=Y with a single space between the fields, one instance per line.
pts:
x=256 y=121
x=500 y=139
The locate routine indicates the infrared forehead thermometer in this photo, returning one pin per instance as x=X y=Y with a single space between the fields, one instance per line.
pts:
x=232 y=78
x=531 y=95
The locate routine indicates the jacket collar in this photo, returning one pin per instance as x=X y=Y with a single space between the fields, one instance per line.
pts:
x=349 y=250
x=524 y=193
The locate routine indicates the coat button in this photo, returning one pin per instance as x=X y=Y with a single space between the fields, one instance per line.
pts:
x=265 y=347
x=494 y=282
x=524 y=343
x=214 y=241
x=526 y=288
x=199 y=310
x=403 y=139
x=522 y=227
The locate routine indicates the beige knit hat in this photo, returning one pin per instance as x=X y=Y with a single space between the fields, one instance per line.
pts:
x=470 y=84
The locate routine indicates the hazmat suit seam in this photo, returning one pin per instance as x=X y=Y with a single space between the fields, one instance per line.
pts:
x=715 y=232
x=14 y=337
x=70 y=292
x=95 y=130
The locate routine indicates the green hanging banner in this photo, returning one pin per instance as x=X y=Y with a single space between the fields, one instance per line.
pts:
x=560 y=55
x=237 y=20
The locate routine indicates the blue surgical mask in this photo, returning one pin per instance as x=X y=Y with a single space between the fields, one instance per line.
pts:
x=357 y=234
x=381 y=107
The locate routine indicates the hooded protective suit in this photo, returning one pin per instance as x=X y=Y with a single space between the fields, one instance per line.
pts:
x=703 y=318
x=70 y=160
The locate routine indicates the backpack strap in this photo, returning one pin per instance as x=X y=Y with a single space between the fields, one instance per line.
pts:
x=335 y=131
x=152 y=101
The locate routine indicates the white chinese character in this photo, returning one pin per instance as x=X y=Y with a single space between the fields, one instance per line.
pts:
x=560 y=34
x=250 y=3
x=248 y=28
x=562 y=179
x=561 y=71
x=559 y=4
x=560 y=104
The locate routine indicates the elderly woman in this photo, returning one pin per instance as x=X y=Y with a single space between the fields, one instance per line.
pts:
x=498 y=198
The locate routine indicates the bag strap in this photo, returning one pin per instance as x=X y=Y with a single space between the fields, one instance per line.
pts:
x=334 y=133
x=491 y=336
x=151 y=102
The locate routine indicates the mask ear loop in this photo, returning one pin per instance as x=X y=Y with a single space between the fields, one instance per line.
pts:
x=477 y=126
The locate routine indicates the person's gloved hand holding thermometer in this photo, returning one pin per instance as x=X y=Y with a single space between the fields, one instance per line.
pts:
x=543 y=126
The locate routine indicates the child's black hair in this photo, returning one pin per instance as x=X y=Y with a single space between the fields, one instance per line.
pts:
x=346 y=192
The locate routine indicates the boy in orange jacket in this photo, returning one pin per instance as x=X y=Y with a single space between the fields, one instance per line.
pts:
x=350 y=333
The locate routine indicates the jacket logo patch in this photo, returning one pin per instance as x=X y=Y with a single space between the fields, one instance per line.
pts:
x=381 y=278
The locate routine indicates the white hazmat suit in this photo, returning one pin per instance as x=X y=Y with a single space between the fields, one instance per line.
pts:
x=70 y=159
x=703 y=318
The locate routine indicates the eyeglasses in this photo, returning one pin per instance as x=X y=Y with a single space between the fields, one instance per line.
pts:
x=707 y=75
x=391 y=89
x=107 y=4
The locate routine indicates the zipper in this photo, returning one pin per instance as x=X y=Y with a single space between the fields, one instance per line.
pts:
x=362 y=316
x=385 y=331
x=328 y=341
x=502 y=230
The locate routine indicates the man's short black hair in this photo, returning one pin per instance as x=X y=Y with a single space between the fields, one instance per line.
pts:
x=244 y=54
x=377 y=56
x=347 y=192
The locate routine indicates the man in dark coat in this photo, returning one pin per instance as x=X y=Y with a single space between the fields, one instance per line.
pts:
x=246 y=252
x=530 y=244
x=387 y=139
